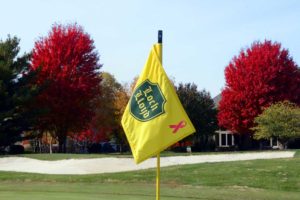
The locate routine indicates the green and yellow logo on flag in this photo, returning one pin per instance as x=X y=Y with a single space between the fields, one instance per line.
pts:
x=154 y=118
x=147 y=101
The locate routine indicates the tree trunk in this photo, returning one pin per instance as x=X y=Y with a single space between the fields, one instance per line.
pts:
x=120 y=148
x=62 y=144
x=50 y=147
x=282 y=144
x=40 y=146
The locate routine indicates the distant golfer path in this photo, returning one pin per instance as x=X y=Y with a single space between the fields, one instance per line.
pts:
x=109 y=165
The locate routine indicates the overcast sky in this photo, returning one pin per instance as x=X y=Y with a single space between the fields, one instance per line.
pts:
x=200 y=37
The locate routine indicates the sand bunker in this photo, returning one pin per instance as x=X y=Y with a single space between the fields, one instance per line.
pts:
x=108 y=165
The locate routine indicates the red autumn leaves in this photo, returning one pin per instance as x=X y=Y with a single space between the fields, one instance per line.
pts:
x=69 y=72
x=259 y=76
x=68 y=65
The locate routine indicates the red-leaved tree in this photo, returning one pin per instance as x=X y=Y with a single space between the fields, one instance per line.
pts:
x=69 y=71
x=91 y=135
x=259 y=76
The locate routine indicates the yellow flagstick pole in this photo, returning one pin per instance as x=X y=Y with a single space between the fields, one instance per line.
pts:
x=160 y=34
x=158 y=178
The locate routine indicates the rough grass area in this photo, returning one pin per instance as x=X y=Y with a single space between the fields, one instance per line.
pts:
x=275 y=179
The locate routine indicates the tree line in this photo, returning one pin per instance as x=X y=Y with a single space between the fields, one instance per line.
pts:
x=59 y=89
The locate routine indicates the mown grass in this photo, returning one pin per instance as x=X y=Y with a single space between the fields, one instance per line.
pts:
x=109 y=191
x=274 y=179
x=297 y=154
x=277 y=174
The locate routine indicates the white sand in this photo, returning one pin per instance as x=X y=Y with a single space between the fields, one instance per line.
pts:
x=106 y=165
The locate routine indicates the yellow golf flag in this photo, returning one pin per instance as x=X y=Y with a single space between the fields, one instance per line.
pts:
x=154 y=118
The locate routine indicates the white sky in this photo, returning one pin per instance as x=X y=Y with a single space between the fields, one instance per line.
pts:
x=200 y=36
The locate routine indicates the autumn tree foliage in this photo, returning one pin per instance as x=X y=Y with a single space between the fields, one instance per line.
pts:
x=120 y=104
x=109 y=106
x=259 y=76
x=104 y=104
x=103 y=122
x=281 y=120
x=69 y=66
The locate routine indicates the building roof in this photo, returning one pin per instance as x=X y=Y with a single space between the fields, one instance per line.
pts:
x=216 y=100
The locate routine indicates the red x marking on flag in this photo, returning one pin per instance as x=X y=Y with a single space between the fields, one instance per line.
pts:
x=178 y=126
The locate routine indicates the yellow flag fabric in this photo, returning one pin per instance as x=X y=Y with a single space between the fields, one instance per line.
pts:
x=154 y=118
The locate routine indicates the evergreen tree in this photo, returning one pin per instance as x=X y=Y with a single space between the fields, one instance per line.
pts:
x=202 y=112
x=16 y=93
